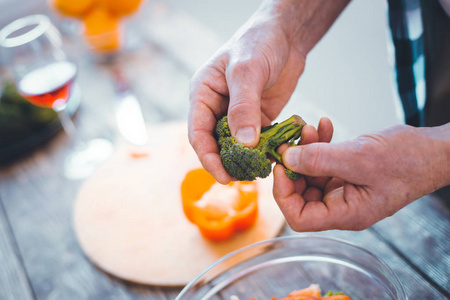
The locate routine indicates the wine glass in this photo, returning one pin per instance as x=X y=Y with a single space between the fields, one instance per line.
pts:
x=44 y=75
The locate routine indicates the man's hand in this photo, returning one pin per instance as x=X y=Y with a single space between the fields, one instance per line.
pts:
x=352 y=185
x=252 y=77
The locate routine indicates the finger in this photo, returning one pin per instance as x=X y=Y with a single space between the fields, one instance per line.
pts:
x=204 y=109
x=283 y=182
x=325 y=133
x=333 y=184
x=288 y=199
x=331 y=213
x=325 y=159
x=245 y=83
x=293 y=205
x=325 y=130
x=208 y=87
x=282 y=148
x=318 y=182
x=299 y=185
x=309 y=135
x=312 y=194
x=205 y=145
x=345 y=211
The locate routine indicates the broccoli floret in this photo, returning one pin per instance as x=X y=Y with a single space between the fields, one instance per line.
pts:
x=294 y=176
x=222 y=128
x=245 y=163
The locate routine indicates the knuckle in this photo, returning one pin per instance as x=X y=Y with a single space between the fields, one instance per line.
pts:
x=312 y=158
x=191 y=138
x=370 y=150
x=198 y=77
x=194 y=78
x=193 y=87
x=241 y=102
x=244 y=68
x=356 y=225
x=295 y=226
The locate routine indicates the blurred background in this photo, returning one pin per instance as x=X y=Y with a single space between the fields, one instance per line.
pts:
x=347 y=77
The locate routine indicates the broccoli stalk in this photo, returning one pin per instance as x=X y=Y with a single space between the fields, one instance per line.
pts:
x=249 y=163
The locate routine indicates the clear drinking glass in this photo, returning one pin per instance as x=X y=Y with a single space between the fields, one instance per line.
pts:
x=44 y=75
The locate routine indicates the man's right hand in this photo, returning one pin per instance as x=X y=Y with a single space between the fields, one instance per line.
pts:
x=252 y=77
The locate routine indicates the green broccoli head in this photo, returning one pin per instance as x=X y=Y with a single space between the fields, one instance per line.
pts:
x=245 y=163
x=222 y=128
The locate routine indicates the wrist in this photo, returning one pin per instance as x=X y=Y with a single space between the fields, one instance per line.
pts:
x=303 y=21
x=439 y=140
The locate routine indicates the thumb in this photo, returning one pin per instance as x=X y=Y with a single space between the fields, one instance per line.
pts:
x=245 y=85
x=322 y=159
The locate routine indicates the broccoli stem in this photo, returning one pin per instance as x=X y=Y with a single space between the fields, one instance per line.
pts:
x=275 y=135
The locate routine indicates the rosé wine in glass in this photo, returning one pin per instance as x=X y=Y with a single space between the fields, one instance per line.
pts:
x=44 y=75
x=42 y=88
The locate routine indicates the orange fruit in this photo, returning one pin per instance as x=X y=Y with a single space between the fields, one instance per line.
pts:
x=122 y=8
x=99 y=21
x=72 y=8
x=102 y=30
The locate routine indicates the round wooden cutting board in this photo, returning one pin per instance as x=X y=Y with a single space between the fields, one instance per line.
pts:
x=129 y=220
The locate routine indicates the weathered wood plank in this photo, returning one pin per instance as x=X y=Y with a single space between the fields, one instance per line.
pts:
x=39 y=201
x=416 y=287
x=40 y=215
x=420 y=232
x=13 y=278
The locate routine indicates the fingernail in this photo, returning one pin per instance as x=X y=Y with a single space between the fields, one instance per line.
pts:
x=292 y=156
x=246 y=135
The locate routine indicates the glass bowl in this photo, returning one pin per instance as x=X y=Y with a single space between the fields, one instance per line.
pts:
x=275 y=267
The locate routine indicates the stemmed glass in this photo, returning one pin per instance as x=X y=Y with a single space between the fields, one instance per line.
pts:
x=44 y=75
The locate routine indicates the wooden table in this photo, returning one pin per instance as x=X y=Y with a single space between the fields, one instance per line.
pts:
x=39 y=254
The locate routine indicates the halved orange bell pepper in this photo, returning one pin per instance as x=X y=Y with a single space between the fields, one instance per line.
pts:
x=219 y=211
